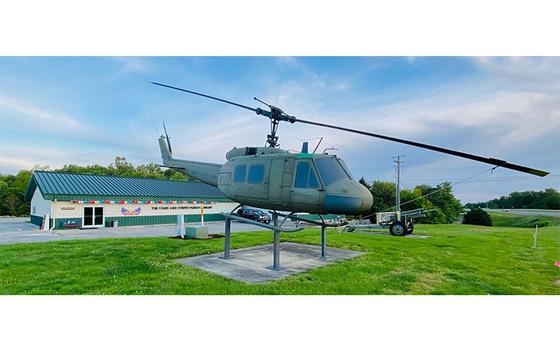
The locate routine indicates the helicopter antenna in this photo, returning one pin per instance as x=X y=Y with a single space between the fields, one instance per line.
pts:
x=314 y=139
x=167 y=138
x=318 y=144
x=276 y=115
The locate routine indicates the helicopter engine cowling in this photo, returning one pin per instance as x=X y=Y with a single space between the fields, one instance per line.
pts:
x=248 y=151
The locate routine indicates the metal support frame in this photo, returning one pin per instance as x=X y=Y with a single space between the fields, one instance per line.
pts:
x=227 y=239
x=323 y=226
x=276 y=228
x=275 y=243
x=323 y=241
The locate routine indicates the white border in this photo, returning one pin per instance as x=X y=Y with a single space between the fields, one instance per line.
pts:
x=279 y=322
x=288 y=27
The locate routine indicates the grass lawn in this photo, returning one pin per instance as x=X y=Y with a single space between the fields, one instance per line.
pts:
x=456 y=259
x=503 y=219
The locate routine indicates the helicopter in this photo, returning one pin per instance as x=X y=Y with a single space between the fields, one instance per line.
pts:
x=272 y=178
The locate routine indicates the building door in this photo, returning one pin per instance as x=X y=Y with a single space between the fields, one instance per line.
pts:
x=93 y=216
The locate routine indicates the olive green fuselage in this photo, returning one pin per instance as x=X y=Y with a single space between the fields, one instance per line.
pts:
x=276 y=179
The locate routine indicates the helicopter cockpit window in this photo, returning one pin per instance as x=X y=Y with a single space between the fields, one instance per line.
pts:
x=256 y=174
x=239 y=173
x=305 y=176
x=330 y=170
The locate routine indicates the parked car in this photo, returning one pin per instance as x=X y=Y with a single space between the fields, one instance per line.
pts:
x=506 y=209
x=254 y=214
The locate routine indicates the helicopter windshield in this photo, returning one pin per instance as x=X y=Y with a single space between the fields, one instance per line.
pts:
x=330 y=170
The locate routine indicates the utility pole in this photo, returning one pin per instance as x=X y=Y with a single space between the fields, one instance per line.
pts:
x=397 y=160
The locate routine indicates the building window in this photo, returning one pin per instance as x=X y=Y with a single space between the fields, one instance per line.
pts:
x=34 y=210
x=239 y=173
x=305 y=176
x=256 y=174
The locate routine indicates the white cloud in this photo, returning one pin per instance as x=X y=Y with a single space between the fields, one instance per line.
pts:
x=133 y=65
x=130 y=65
x=38 y=116
x=478 y=117
x=511 y=109
x=522 y=71
x=14 y=157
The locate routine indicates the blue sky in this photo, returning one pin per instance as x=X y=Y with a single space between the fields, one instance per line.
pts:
x=82 y=110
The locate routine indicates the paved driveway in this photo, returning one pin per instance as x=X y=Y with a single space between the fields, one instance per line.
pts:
x=9 y=225
x=18 y=230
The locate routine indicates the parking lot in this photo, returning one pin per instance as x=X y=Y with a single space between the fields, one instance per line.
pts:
x=19 y=230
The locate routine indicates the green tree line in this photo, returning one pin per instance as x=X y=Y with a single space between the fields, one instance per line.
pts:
x=446 y=207
x=545 y=199
x=13 y=187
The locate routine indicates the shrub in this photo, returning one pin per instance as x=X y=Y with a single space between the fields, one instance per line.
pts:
x=477 y=216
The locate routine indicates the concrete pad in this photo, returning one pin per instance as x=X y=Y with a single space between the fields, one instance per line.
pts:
x=253 y=264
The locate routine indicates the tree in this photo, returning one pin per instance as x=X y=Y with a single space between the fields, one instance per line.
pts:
x=546 y=199
x=12 y=192
x=383 y=195
x=363 y=182
x=440 y=198
x=477 y=216
x=13 y=188
x=121 y=167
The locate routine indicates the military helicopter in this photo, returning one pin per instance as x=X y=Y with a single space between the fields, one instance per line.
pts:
x=276 y=179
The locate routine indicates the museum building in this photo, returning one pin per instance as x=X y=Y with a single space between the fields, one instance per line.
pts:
x=69 y=200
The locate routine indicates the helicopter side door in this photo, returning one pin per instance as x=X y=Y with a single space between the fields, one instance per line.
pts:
x=287 y=179
x=275 y=179
x=306 y=189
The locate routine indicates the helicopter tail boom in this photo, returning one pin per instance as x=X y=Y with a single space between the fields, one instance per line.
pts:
x=203 y=171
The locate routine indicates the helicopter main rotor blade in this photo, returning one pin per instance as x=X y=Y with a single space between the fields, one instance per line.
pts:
x=492 y=161
x=256 y=110
x=276 y=115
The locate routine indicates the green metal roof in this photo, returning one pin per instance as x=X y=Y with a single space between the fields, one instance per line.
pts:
x=68 y=184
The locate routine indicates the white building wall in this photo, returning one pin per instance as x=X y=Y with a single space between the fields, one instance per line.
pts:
x=39 y=206
x=66 y=209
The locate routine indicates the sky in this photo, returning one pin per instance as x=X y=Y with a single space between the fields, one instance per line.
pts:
x=87 y=110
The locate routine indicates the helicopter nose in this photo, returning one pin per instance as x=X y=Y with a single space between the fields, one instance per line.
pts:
x=348 y=197
x=367 y=198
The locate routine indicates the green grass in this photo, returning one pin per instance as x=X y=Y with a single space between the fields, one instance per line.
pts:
x=456 y=259
x=504 y=219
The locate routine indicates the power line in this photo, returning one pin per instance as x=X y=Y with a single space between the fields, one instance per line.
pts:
x=446 y=187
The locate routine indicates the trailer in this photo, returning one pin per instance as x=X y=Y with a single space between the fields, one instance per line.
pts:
x=398 y=222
